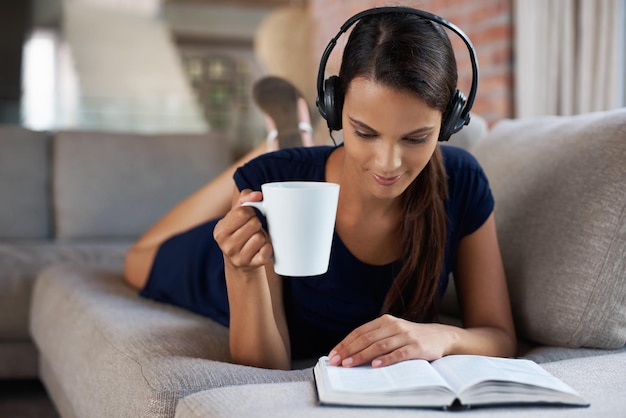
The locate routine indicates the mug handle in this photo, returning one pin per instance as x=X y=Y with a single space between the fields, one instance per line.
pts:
x=258 y=205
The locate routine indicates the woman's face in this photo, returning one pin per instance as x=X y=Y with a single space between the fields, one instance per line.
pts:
x=389 y=136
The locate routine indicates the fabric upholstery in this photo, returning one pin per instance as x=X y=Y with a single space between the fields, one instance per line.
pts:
x=21 y=262
x=24 y=183
x=110 y=185
x=549 y=354
x=112 y=353
x=560 y=190
x=55 y=391
x=600 y=380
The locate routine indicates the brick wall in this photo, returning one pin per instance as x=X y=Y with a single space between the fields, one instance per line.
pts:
x=488 y=24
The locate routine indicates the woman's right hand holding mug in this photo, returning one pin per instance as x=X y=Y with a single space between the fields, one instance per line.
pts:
x=241 y=237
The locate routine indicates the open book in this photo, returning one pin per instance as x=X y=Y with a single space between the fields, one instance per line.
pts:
x=452 y=381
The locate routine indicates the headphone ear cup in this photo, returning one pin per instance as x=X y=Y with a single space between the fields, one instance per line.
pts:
x=454 y=118
x=333 y=103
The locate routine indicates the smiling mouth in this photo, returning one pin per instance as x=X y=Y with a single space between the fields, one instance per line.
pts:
x=385 y=181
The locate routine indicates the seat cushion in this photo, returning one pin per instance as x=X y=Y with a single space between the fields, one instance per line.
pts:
x=24 y=183
x=560 y=190
x=113 y=185
x=20 y=262
x=599 y=380
x=109 y=352
x=550 y=354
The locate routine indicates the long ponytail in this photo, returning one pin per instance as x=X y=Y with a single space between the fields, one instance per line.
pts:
x=414 y=292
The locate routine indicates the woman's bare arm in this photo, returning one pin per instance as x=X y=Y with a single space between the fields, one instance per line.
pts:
x=483 y=295
x=258 y=327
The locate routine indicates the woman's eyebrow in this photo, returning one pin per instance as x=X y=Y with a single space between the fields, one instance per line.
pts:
x=361 y=124
x=418 y=131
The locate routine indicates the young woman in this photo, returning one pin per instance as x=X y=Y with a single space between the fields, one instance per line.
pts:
x=410 y=212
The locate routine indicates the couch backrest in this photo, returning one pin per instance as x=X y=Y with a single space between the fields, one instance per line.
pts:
x=114 y=186
x=560 y=190
x=24 y=184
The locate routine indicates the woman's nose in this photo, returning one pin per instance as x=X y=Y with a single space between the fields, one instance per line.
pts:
x=388 y=157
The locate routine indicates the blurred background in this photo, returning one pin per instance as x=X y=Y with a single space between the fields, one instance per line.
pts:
x=168 y=66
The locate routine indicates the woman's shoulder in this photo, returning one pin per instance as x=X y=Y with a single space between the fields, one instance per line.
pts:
x=291 y=160
x=462 y=169
x=284 y=165
x=470 y=201
x=458 y=159
x=299 y=155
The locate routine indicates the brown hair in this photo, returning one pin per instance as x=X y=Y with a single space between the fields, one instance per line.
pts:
x=413 y=294
x=408 y=53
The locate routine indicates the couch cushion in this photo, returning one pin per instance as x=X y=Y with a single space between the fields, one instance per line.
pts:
x=115 y=185
x=600 y=380
x=24 y=183
x=112 y=353
x=560 y=190
x=21 y=262
x=549 y=354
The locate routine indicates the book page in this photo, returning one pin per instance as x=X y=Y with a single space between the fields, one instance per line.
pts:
x=397 y=377
x=464 y=371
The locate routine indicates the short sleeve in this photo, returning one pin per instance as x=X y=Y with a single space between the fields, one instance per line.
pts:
x=290 y=164
x=470 y=199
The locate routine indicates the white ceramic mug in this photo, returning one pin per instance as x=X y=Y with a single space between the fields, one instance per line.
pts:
x=301 y=221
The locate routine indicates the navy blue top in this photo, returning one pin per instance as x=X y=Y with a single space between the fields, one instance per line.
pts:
x=188 y=269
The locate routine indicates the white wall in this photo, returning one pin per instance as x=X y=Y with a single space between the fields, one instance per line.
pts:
x=215 y=22
x=129 y=74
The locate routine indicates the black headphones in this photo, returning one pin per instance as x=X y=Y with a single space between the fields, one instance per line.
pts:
x=330 y=98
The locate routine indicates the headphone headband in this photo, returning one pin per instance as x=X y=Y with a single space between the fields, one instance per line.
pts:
x=462 y=113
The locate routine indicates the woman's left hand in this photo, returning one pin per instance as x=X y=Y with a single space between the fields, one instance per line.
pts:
x=387 y=340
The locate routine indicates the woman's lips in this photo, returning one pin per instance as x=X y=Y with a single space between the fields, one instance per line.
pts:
x=385 y=181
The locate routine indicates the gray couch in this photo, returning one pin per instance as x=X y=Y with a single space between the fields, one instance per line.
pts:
x=560 y=188
x=81 y=198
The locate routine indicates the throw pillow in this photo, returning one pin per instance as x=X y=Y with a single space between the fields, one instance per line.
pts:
x=560 y=190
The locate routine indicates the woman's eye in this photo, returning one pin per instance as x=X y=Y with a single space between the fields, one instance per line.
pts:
x=420 y=140
x=364 y=135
